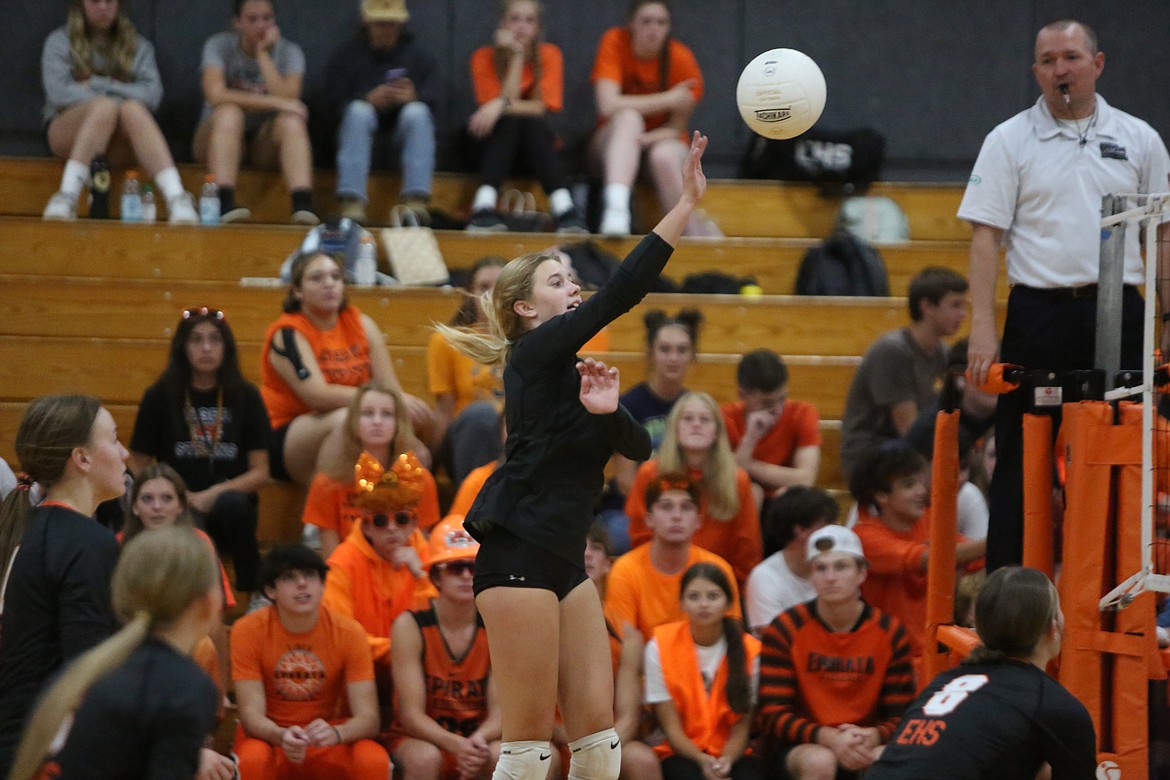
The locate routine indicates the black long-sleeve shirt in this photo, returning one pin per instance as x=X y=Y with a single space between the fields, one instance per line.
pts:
x=145 y=719
x=556 y=452
x=357 y=67
x=56 y=607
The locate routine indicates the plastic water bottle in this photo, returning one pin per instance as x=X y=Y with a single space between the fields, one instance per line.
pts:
x=99 y=189
x=131 y=198
x=365 y=267
x=149 y=210
x=209 y=202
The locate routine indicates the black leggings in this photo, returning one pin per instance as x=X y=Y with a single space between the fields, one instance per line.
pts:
x=528 y=136
x=231 y=524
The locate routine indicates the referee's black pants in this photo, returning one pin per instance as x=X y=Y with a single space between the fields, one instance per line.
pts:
x=1045 y=329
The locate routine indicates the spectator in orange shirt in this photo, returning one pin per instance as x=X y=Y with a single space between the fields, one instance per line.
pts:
x=468 y=395
x=695 y=443
x=297 y=666
x=776 y=440
x=894 y=525
x=643 y=584
x=377 y=571
x=378 y=424
x=646 y=85
x=518 y=81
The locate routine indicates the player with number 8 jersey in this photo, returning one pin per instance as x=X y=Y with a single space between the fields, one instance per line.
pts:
x=998 y=714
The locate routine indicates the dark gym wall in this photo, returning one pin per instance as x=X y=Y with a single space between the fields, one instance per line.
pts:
x=932 y=76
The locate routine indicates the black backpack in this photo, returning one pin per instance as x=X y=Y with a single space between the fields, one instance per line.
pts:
x=843 y=265
x=840 y=161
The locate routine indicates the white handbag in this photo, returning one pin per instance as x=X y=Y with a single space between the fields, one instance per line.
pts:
x=415 y=257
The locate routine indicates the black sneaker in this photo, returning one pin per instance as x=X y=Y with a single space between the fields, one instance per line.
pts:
x=486 y=221
x=571 y=221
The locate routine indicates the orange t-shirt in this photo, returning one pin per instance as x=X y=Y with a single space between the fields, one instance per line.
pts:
x=342 y=352
x=486 y=80
x=329 y=505
x=304 y=675
x=616 y=61
x=450 y=371
x=736 y=540
x=469 y=488
x=371 y=590
x=799 y=426
x=896 y=583
x=639 y=594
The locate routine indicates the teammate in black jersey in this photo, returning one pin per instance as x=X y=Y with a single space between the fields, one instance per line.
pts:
x=998 y=714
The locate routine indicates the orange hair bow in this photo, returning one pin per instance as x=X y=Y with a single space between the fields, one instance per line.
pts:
x=388 y=490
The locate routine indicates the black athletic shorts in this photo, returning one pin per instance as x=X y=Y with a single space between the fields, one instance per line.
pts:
x=276 y=468
x=506 y=560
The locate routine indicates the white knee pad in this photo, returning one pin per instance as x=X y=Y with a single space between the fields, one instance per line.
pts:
x=596 y=757
x=523 y=760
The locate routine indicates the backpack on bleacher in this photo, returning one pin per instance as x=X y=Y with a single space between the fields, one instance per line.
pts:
x=349 y=243
x=843 y=265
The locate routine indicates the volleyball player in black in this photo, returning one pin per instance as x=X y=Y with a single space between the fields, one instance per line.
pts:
x=998 y=714
x=546 y=633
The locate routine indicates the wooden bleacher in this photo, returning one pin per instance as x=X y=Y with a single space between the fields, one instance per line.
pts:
x=89 y=306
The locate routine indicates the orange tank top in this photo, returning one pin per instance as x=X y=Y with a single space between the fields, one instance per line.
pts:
x=456 y=687
x=342 y=352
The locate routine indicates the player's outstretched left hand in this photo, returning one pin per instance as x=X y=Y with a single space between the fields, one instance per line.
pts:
x=600 y=386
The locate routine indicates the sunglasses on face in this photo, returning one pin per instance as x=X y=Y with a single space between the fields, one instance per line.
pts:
x=401 y=518
x=203 y=311
x=459 y=567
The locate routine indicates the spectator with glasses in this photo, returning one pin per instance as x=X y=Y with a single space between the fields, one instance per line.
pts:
x=377 y=572
x=206 y=421
x=445 y=724
x=377 y=424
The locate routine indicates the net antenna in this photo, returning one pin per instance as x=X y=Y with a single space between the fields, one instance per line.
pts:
x=1143 y=212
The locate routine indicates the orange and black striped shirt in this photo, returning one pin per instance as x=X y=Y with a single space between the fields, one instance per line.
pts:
x=811 y=676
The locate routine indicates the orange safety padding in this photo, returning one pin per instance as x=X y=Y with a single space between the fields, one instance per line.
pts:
x=940 y=570
x=1086 y=519
x=959 y=639
x=1038 y=539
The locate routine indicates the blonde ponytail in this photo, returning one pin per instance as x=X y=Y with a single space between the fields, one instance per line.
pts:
x=67 y=692
x=493 y=346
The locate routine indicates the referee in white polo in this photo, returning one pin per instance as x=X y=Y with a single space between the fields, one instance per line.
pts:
x=1036 y=189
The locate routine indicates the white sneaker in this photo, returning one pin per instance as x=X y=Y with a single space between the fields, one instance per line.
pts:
x=60 y=206
x=181 y=210
x=238 y=214
x=615 y=222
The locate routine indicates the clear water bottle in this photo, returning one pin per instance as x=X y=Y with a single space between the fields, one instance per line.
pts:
x=131 y=198
x=365 y=267
x=149 y=209
x=209 y=202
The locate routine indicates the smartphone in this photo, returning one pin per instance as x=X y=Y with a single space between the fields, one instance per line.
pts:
x=394 y=74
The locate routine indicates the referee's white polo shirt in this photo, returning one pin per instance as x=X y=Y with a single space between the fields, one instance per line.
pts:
x=1035 y=181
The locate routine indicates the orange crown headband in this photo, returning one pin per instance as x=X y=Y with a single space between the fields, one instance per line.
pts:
x=388 y=490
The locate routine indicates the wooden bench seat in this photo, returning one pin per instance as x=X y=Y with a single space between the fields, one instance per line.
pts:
x=742 y=208
x=116 y=308
x=100 y=248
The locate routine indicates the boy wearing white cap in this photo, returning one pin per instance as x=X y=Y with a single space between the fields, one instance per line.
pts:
x=835 y=673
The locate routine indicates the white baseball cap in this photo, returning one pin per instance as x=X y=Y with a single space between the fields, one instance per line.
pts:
x=835 y=538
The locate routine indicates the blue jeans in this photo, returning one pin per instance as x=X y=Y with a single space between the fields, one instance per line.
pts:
x=414 y=137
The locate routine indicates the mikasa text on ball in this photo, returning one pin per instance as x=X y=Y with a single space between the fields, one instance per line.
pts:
x=781 y=93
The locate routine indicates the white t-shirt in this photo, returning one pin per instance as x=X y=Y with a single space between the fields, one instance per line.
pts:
x=709 y=659
x=771 y=589
x=1036 y=181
